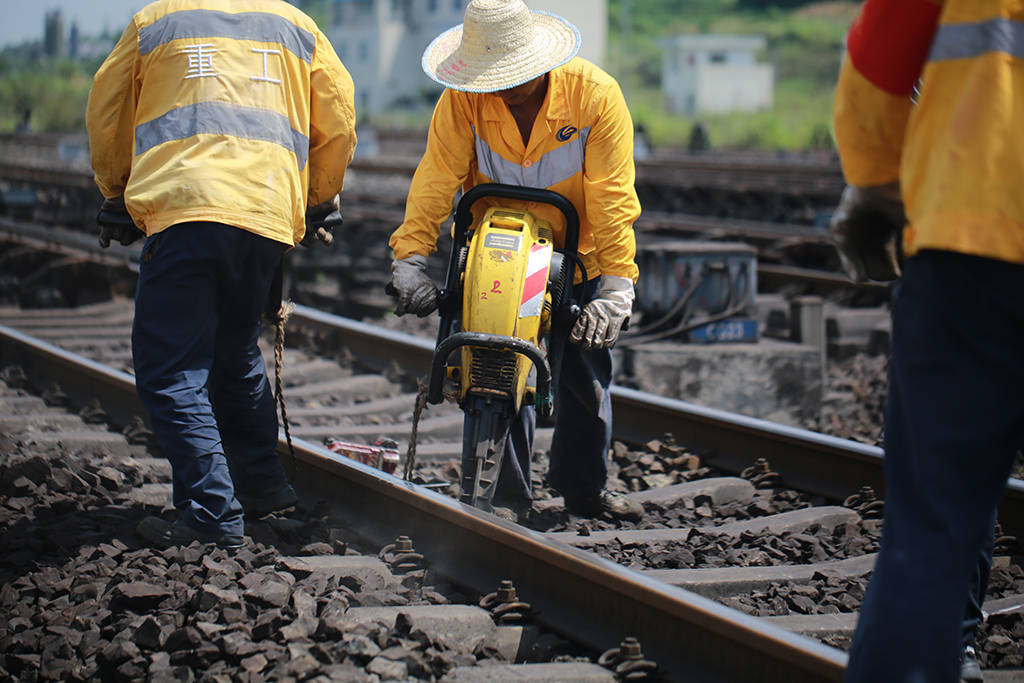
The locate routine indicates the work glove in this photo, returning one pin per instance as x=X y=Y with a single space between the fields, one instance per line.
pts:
x=865 y=228
x=410 y=284
x=321 y=220
x=601 y=321
x=115 y=223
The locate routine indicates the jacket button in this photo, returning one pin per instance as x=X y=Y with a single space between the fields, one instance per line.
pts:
x=527 y=164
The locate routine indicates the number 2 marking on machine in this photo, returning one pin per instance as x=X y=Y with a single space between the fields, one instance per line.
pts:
x=495 y=289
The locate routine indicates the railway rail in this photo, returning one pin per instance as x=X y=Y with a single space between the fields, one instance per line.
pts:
x=570 y=569
x=399 y=152
x=595 y=600
x=368 y=223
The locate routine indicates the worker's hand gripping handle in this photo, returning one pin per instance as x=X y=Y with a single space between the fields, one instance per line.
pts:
x=115 y=223
x=321 y=221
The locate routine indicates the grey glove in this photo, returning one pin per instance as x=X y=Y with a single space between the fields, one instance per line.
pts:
x=116 y=224
x=865 y=228
x=415 y=291
x=601 y=321
x=321 y=220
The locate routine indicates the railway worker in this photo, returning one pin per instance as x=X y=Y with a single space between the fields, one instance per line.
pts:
x=216 y=123
x=519 y=108
x=942 y=171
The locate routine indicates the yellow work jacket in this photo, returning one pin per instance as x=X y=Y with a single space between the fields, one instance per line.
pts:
x=232 y=111
x=958 y=153
x=581 y=146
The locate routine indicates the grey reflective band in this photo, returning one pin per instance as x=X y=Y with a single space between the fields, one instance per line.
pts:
x=962 y=41
x=206 y=23
x=221 y=118
x=552 y=168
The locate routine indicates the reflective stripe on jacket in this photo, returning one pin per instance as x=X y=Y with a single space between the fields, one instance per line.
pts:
x=959 y=152
x=581 y=147
x=237 y=112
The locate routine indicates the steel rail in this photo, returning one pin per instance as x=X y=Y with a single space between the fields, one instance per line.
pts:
x=71 y=242
x=816 y=463
x=585 y=597
x=772 y=274
x=580 y=595
x=79 y=243
x=686 y=171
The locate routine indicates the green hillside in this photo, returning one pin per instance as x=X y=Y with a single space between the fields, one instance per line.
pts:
x=804 y=43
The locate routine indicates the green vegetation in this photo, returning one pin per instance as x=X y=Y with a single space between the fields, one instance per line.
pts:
x=51 y=93
x=804 y=44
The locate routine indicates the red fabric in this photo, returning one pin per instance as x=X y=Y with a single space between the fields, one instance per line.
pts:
x=889 y=42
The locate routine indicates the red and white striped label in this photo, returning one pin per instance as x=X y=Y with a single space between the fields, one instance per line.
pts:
x=536 y=280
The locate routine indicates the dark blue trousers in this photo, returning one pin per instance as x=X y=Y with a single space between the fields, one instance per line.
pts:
x=198 y=370
x=954 y=420
x=583 y=427
x=977 y=587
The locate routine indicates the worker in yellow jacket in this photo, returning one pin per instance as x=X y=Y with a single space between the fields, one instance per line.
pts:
x=215 y=124
x=520 y=109
x=928 y=114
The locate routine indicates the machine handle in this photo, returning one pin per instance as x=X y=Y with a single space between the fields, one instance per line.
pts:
x=448 y=301
x=464 y=216
x=435 y=390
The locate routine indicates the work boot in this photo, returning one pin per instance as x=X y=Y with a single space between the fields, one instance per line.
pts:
x=258 y=505
x=508 y=514
x=606 y=502
x=970 y=670
x=517 y=513
x=163 y=534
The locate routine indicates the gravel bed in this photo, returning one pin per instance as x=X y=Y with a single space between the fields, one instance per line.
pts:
x=857 y=411
x=657 y=464
x=706 y=549
x=823 y=595
x=86 y=599
x=1001 y=641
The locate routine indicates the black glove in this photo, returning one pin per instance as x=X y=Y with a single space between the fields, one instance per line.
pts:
x=865 y=227
x=321 y=220
x=116 y=224
x=410 y=284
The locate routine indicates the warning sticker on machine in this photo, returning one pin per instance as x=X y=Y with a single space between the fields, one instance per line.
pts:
x=508 y=242
x=501 y=256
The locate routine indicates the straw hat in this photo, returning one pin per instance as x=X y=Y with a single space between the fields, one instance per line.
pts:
x=500 y=45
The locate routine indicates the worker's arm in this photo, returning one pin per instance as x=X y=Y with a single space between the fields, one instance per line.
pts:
x=886 y=51
x=444 y=168
x=110 y=115
x=611 y=208
x=332 y=123
x=608 y=176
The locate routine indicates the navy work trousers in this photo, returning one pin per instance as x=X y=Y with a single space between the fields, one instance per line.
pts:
x=583 y=427
x=199 y=372
x=954 y=421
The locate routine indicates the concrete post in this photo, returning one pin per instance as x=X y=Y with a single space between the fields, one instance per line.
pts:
x=807 y=326
x=807 y=321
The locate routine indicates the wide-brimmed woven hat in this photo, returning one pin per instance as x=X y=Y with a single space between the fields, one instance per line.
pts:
x=500 y=45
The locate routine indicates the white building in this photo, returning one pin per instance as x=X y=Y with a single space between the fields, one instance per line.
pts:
x=381 y=43
x=711 y=74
